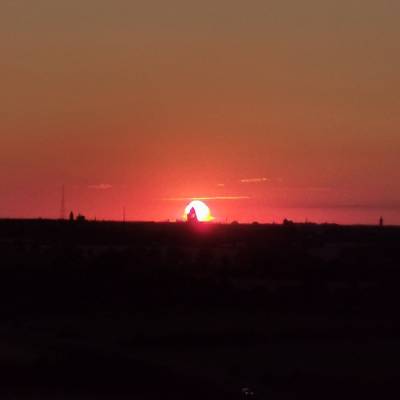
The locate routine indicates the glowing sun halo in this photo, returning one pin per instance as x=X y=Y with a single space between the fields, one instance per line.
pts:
x=202 y=211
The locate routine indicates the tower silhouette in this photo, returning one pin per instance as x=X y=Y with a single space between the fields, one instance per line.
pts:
x=62 y=208
x=192 y=216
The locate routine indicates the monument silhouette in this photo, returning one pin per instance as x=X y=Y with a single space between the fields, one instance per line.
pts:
x=192 y=216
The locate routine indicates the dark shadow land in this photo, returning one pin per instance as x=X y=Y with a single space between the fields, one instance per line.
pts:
x=92 y=310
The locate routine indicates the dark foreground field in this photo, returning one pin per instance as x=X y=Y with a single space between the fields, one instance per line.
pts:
x=169 y=311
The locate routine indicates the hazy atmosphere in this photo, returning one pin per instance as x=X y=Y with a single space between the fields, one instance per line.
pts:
x=266 y=109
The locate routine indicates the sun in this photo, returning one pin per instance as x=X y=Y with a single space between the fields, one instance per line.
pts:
x=202 y=211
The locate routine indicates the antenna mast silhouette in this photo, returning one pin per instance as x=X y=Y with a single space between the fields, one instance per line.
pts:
x=62 y=209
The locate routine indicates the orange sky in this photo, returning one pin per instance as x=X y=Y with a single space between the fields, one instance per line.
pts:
x=143 y=104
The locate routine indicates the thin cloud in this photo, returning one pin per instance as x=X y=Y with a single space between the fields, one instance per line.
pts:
x=101 y=186
x=220 y=184
x=207 y=198
x=305 y=188
x=319 y=189
x=255 y=180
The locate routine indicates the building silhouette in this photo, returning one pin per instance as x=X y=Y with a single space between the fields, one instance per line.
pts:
x=192 y=216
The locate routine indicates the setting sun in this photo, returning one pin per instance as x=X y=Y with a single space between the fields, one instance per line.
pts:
x=202 y=211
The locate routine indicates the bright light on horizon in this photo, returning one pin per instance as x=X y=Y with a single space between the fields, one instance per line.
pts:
x=203 y=212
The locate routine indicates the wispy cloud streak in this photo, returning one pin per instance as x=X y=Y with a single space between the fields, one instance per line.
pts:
x=101 y=186
x=207 y=198
x=255 y=180
x=304 y=188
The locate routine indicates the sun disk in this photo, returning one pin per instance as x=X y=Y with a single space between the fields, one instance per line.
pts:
x=202 y=211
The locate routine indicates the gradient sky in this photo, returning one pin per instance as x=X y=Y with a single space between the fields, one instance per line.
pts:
x=289 y=108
